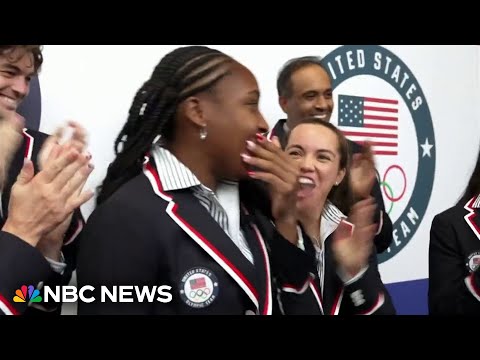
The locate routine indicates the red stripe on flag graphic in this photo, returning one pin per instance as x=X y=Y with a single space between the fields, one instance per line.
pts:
x=370 y=119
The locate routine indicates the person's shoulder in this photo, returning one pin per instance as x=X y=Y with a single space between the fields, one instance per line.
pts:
x=133 y=196
x=452 y=214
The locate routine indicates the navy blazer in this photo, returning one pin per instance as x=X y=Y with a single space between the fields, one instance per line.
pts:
x=145 y=236
x=454 y=259
x=30 y=148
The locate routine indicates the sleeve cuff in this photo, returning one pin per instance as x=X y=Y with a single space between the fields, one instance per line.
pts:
x=57 y=266
x=346 y=280
x=380 y=225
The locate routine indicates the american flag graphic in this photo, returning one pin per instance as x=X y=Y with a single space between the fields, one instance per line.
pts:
x=198 y=283
x=373 y=119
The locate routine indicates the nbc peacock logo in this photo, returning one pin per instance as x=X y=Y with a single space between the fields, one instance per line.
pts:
x=27 y=294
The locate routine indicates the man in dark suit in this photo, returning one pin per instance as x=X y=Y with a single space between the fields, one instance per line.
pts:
x=45 y=255
x=305 y=91
x=454 y=255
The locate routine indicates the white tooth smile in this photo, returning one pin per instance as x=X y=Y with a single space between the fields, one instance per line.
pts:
x=306 y=181
x=11 y=103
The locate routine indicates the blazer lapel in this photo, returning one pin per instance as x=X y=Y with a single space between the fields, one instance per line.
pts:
x=259 y=251
x=194 y=219
x=333 y=286
x=25 y=151
x=473 y=216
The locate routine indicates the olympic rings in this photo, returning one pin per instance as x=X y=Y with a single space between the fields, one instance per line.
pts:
x=391 y=192
x=384 y=182
x=200 y=293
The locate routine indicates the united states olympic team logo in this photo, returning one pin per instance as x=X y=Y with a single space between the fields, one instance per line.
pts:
x=473 y=261
x=199 y=287
x=379 y=99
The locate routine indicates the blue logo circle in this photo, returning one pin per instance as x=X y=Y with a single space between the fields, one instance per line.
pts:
x=348 y=61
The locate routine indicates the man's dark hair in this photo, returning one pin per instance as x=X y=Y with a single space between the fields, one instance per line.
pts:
x=36 y=50
x=284 y=83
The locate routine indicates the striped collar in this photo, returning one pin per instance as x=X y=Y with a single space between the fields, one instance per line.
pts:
x=331 y=217
x=174 y=175
x=476 y=203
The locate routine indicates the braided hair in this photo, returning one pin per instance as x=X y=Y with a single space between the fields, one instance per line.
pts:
x=182 y=73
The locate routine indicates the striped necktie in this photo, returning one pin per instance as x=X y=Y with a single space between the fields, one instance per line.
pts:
x=209 y=201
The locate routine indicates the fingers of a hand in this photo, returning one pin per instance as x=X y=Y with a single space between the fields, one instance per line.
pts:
x=271 y=167
x=356 y=159
x=45 y=155
x=276 y=142
x=75 y=144
x=362 y=211
x=54 y=168
x=365 y=216
x=274 y=181
x=81 y=199
x=366 y=235
x=360 y=204
x=270 y=151
x=367 y=153
x=26 y=174
x=256 y=149
x=274 y=147
x=67 y=174
x=79 y=133
x=90 y=168
x=76 y=183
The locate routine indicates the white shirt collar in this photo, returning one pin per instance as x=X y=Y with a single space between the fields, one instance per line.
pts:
x=331 y=217
x=476 y=203
x=174 y=175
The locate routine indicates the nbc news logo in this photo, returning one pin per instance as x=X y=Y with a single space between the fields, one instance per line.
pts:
x=27 y=294
x=70 y=294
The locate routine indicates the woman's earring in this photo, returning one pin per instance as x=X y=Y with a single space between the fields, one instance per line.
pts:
x=336 y=184
x=203 y=133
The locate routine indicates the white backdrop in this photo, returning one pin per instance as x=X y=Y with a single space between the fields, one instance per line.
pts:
x=96 y=84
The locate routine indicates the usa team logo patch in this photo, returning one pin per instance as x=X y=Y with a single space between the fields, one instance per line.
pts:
x=199 y=287
x=473 y=261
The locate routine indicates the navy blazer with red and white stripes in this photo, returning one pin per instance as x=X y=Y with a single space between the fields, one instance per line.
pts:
x=146 y=236
x=454 y=260
x=37 y=268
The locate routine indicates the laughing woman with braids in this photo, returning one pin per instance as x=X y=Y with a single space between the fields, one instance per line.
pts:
x=178 y=207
